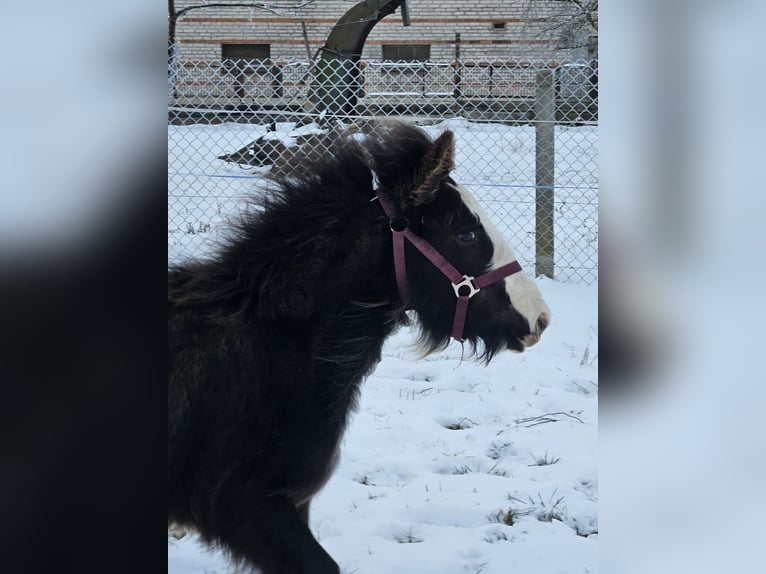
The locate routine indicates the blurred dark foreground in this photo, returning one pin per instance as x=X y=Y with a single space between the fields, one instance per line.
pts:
x=82 y=288
x=82 y=354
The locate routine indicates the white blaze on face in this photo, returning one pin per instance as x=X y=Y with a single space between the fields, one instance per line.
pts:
x=525 y=296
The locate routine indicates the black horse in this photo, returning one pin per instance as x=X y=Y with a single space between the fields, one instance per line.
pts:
x=270 y=340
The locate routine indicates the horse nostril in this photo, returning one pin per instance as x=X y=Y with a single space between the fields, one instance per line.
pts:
x=542 y=322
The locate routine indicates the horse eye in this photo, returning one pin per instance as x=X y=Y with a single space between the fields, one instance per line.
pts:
x=467 y=236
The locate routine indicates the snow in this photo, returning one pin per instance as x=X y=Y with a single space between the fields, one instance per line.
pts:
x=442 y=451
x=412 y=495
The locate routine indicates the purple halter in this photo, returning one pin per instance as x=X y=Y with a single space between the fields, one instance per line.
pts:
x=464 y=286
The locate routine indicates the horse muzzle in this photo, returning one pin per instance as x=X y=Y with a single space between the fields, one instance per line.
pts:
x=541 y=324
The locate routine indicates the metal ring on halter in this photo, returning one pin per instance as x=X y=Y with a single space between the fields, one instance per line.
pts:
x=466 y=282
x=398 y=223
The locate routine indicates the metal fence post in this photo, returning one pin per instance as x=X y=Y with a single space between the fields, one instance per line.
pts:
x=545 y=154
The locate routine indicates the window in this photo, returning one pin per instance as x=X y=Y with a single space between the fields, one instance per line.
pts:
x=402 y=70
x=246 y=51
x=498 y=25
x=406 y=52
x=245 y=57
x=251 y=66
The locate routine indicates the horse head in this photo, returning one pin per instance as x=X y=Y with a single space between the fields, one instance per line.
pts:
x=472 y=289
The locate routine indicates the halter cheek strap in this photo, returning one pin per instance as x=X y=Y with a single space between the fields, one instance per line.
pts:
x=464 y=286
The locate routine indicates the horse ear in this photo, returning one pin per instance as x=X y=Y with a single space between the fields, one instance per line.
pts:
x=436 y=164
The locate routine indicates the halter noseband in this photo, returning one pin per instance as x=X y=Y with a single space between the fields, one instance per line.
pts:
x=464 y=286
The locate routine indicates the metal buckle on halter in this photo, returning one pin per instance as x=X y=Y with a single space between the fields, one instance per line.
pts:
x=466 y=282
x=398 y=223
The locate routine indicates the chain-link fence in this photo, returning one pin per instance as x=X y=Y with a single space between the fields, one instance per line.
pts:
x=527 y=140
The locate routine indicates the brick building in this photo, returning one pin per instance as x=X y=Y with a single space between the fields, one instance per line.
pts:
x=500 y=30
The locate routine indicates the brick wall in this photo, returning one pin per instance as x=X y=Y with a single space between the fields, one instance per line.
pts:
x=525 y=37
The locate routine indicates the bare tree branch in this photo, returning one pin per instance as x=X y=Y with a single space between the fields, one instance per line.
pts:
x=273 y=7
x=568 y=20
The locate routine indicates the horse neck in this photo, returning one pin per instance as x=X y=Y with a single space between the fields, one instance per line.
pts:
x=360 y=302
x=317 y=262
x=357 y=309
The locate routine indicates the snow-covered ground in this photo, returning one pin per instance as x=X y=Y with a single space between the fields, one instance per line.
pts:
x=448 y=467
x=442 y=455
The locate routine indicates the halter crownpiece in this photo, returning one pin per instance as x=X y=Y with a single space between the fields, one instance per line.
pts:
x=465 y=286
